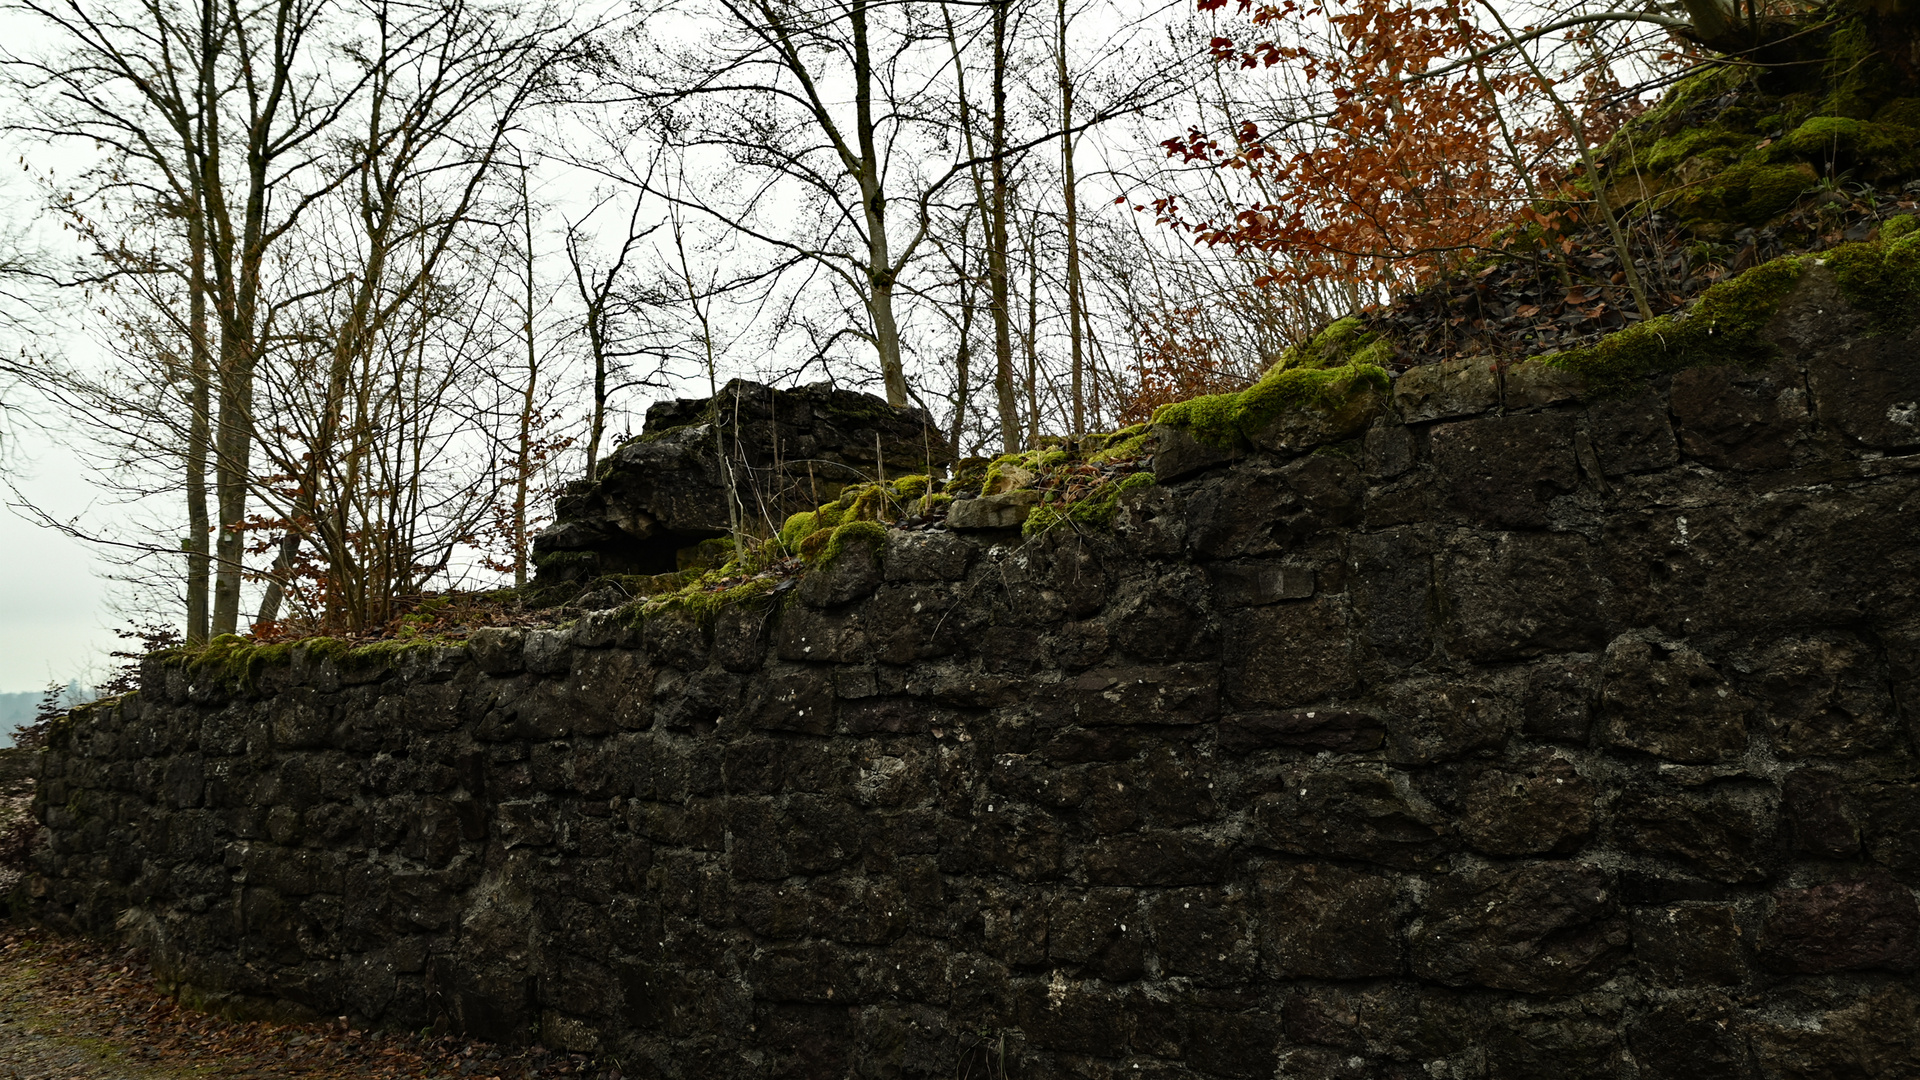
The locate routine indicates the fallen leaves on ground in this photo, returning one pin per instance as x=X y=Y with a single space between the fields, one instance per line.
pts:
x=85 y=993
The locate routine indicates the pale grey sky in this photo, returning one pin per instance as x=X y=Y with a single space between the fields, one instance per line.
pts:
x=54 y=623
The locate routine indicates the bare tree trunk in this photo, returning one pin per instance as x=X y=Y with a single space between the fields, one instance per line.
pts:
x=873 y=199
x=1072 y=202
x=596 y=295
x=523 y=465
x=1031 y=338
x=199 y=435
x=997 y=243
x=962 y=364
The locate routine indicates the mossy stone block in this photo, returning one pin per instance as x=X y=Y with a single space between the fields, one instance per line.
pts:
x=1178 y=453
x=1302 y=428
x=498 y=651
x=853 y=573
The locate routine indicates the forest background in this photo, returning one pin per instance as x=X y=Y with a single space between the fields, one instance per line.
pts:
x=312 y=305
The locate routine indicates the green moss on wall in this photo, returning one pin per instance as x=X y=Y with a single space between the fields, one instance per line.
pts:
x=1228 y=419
x=870 y=533
x=1096 y=510
x=1725 y=327
x=1881 y=279
x=1123 y=445
x=236 y=664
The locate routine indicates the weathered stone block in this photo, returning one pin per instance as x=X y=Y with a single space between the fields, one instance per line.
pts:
x=1531 y=384
x=1503 y=471
x=1632 y=435
x=1301 y=428
x=1165 y=619
x=1306 y=730
x=1867 y=921
x=1244 y=511
x=1288 y=654
x=1388 y=450
x=1007 y=510
x=1670 y=703
x=1460 y=387
x=1691 y=945
x=1204 y=934
x=1158 y=858
x=1431 y=720
x=1253 y=584
x=1823 y=820
x=1544 y=806
x=1542 y=928
x=1392 y=591
x=1175 y=694
x=1514 y=595
x=852 y=574
x=797 y=700
x=1366 y=812
x=1868 y=388
x=1825 y=696
x=1862 y=1034
x=497 y=652
x=1179 y=453
x=926 y=556
x=1324 y=921
x=1727 y=832
x=1559 y=700
x=1735 y=418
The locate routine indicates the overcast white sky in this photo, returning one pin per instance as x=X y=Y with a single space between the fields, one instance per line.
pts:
x=54 y=623
x=54 y=618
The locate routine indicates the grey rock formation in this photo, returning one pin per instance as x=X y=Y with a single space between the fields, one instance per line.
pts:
x=666 y=490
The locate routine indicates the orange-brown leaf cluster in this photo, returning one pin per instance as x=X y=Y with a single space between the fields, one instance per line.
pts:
x=1400 y=175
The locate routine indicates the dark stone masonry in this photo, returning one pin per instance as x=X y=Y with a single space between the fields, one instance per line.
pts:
x=1516 y=735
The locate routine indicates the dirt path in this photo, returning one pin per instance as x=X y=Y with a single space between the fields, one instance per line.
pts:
x=75 y=1010
x=42 y=1038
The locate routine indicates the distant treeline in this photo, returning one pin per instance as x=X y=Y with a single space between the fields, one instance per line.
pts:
x=18 y=708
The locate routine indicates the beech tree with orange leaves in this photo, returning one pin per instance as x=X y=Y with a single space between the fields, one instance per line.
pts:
x=1421 y=137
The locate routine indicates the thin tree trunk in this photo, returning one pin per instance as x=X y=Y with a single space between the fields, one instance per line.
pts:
x=523 y=466
x=1032 y=335
x=873 y=199
x=597 y=427
x=997 y=243
x=963 y=365
x=233 y=443
x=199 y=434
x=1072 y=203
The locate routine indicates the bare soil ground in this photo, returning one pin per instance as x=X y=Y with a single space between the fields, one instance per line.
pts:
x=77 y=1010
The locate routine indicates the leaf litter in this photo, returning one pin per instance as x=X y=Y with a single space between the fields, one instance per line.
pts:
x=82 y=995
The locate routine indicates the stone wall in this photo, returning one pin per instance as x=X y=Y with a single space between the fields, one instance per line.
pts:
x=1517 y=736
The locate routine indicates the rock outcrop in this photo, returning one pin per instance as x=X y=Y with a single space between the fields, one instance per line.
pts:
x=771 y=452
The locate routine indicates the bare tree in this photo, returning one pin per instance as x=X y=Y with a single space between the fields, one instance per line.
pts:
x=610 y=312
